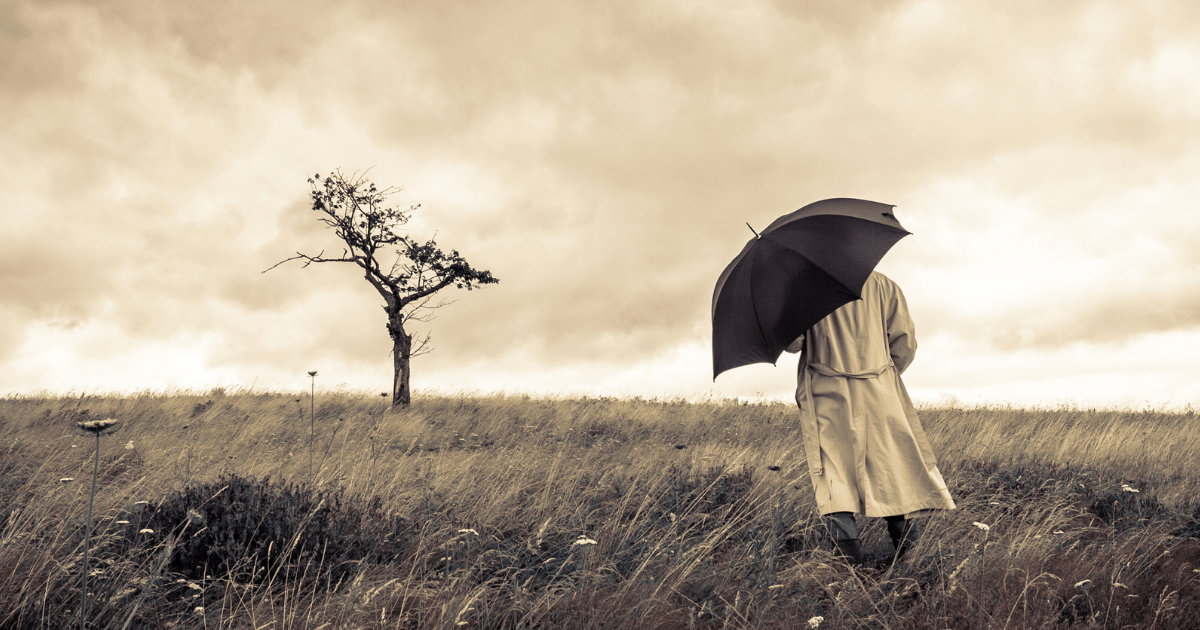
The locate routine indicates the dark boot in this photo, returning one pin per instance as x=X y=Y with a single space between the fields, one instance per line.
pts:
x=903 y=533
x=843 y=531
x=851 y=550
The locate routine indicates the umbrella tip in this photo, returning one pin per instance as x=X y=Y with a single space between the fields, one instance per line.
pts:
x=756 y=234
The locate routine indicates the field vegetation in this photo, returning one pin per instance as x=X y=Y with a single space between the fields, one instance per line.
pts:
x=516 y=512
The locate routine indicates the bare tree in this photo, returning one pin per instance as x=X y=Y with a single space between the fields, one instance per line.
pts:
x=354 y=208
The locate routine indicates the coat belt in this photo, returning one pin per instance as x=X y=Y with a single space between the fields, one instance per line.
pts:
x=809 y=424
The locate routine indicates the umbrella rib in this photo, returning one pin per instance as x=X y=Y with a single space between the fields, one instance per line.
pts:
x=757 y=319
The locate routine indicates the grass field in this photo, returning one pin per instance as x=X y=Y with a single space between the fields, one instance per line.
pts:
x=517 y=512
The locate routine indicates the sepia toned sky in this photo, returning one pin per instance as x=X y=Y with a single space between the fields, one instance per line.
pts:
x=602 y=159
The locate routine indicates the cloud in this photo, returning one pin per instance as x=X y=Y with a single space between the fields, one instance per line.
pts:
x=600 y=159
x=1028 y=254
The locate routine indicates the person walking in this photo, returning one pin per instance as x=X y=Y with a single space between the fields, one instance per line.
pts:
x=867 y=452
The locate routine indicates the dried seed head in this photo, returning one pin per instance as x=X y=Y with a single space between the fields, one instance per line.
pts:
x=99 y=427
x=312 y=373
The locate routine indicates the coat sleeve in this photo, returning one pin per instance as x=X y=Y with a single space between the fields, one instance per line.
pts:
x=902 y=336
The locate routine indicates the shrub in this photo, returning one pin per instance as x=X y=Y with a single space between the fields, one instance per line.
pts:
x=1124 y=507
x=1191 y=526
x=252 y=529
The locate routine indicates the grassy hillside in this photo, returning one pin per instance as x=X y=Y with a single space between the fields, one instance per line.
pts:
x=516 y=512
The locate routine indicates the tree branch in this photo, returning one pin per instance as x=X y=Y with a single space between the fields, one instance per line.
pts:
x=310 y=260
x=421 y=349
x=427 y=291
x=422 y=312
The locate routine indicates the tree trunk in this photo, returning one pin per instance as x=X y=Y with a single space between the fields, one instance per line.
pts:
x=401 y=354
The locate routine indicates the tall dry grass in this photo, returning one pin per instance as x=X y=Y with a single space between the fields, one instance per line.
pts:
x=701 y=514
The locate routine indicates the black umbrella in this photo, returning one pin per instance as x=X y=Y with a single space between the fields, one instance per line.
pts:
x=801 y=268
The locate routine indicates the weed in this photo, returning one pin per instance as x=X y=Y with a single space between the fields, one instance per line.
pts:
x=250 y=530
x=518 y=512
x=97 y=428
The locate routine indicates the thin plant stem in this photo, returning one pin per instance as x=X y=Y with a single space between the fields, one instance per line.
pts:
x=87 y=535
x=328 y=444
x=188 y=476
x=168 y=548
x=312 y=426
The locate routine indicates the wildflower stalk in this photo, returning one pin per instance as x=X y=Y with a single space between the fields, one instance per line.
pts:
x=312 y=425
x=97 y=427
x=187 y=478
x=87 y=533
x=329 y=444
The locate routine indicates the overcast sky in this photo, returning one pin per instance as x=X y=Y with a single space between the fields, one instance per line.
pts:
x=602 y=160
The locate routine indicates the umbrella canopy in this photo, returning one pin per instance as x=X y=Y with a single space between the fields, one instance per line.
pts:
x=801 y=268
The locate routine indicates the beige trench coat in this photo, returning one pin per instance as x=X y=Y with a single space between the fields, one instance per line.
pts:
x=867 y=452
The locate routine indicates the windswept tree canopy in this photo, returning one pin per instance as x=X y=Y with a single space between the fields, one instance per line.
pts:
x=357 y=211
x=355 y=208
